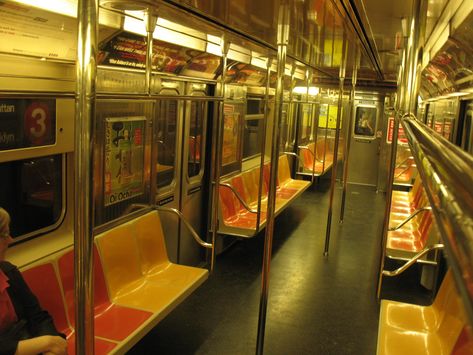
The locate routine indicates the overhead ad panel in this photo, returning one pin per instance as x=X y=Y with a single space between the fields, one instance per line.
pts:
x=30 y=31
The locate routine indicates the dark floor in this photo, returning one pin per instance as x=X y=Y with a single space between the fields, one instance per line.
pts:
x=317 y=305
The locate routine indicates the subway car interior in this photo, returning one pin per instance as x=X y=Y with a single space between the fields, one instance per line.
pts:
x=238 y=177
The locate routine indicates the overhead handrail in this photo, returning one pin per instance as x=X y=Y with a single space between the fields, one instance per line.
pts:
x=411 y=216
x=412 y=261
x=447 y=173
x=238 y=196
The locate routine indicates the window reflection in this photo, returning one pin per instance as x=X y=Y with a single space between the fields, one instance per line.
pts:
x=166 y=141
x=195 y=138
x=34 y=193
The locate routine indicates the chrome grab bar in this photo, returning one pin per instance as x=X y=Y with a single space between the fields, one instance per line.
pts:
x=311 y=152
x=191 y=229
x=402 y=172
x=237 y=194
x=295 y=155
x=447 y=175
x=415 y=213
x=412 y=261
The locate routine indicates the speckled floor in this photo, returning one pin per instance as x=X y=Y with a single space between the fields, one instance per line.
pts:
x=317 y=304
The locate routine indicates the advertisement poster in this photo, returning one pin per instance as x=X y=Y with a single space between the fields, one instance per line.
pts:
x=365 y=122
x=332 y=117
x=401 y=138
x=447 y=128
x=230 y=135
x=27 y=123
x=323 y=113
x=124 y=158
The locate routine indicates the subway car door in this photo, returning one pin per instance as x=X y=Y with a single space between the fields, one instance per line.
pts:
x=168 y=153
x=192 y=194
x=365 y=135
x=465 y=134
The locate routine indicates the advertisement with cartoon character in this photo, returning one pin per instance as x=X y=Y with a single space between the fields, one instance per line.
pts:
x=124 y=158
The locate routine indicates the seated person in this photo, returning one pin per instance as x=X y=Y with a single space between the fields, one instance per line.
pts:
x=25 y=328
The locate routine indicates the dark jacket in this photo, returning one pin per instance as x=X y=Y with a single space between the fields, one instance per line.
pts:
x=33 y=321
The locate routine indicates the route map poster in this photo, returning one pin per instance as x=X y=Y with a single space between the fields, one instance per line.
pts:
x=124 y=158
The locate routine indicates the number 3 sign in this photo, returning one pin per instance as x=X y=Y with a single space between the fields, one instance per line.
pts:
x=37 y=126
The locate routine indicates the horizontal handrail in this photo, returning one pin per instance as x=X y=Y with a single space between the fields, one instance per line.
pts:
x=412 y=261
x=447 y=175
x=238 y=196
x=411 y=216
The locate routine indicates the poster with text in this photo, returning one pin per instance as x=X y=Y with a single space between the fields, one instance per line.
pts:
x=124 y=158
x=231 y=135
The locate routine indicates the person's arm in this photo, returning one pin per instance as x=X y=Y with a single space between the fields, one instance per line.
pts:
x=49 y=344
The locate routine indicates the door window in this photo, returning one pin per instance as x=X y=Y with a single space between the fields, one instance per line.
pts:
x=166 y=142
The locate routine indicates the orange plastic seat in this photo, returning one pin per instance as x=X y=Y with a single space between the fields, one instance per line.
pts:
x=110 y=320
x=311 y=163
x=413 y=329
x=410 y=239
x=464 y=344
x=286 y=183
x=234 y=214
x=43 y=282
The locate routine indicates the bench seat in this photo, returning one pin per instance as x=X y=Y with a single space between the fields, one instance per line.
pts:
x=317 y=158
x=412 y=329
x=135 y=285
x=43 y=282
x=243 y=189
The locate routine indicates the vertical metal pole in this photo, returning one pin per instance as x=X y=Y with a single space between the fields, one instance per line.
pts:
x=150 y=22
x=335 y=149
x=263 y=144
x=351 y=119
x=419 y=15
x=408 y=85
x=86 y=70
x=283 y=34
x=217 y=153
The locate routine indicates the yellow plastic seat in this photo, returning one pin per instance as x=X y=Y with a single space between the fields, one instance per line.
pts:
x=155 y=264
x=144 y=278
x=415 y=317
x=284 y=176
x=413 y=329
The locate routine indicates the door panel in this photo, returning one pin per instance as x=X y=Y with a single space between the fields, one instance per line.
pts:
x=168 y=132
x=365 y=138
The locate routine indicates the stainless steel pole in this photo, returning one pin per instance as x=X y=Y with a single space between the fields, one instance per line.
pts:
x=283 y=36
x=217 y=153
x=407 y=88
x=86 y=70
x=335 y=149
x=150 y=22
x=351 y=119
x=263 y=144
